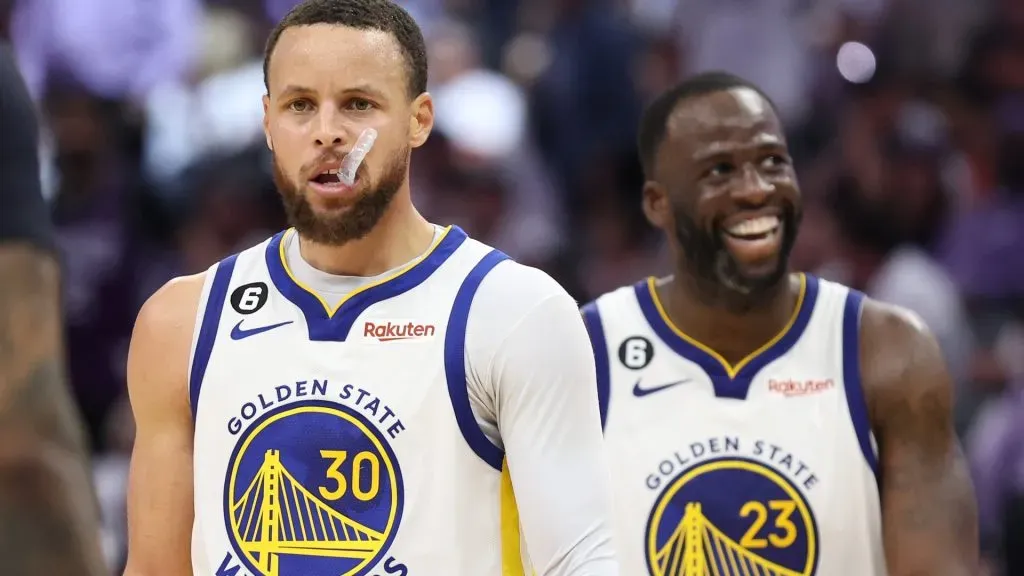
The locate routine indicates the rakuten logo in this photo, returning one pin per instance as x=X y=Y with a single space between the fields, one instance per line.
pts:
x=800 y=387
x=390 y=331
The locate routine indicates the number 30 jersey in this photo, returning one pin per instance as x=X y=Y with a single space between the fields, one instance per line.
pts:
x=763 y=467
x=330 y=440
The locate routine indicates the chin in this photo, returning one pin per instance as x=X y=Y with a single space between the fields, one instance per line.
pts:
x=750 y=277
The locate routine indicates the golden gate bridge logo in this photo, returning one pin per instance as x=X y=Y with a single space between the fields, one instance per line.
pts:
x=731 y=517
x=312 y=490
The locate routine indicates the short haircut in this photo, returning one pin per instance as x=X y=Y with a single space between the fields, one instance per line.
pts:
x=654 y=121
x=382 y=15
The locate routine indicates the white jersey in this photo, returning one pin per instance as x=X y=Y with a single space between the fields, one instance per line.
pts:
x=343 y=442
x=762 y=467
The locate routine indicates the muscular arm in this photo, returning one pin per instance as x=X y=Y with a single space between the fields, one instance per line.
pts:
x=543 y=377
x=48 y=521
x=929 y=514
x=160 y=504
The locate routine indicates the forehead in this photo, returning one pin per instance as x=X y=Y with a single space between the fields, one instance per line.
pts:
x=333 y=57
x=723 y=120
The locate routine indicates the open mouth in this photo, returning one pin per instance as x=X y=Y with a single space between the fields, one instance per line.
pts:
x=754 y=240
x=327 y=177
x=752 y=229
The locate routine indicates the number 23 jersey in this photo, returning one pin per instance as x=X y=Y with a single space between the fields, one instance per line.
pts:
x=762 y=467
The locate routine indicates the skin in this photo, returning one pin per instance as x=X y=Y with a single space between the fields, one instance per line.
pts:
x=48 y=521
x=725 y=154
x=326 y=84
x=48 y=513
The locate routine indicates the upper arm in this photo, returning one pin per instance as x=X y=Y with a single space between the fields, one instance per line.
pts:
x=160 y=498
x=928 y=509
x=542 y=375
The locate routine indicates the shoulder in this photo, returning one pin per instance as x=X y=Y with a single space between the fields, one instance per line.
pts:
x=519 y=307
x=166 y=322
x=512 y=289
x=174 y=306
x=901 y=363
x=161 y=344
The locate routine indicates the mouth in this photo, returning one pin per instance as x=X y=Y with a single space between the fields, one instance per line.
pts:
x=753 y=239
x=328 y=183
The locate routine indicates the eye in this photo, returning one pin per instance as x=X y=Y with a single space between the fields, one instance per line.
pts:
x=774 y=161
x=720 y=169
x=300 y=106
x=360 y=104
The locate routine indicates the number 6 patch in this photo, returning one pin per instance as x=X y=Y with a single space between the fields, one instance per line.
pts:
x=636 y=352
x=249 y=298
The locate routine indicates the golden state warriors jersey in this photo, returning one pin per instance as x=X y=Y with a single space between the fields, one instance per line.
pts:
x=339 y=441
x=763 y=467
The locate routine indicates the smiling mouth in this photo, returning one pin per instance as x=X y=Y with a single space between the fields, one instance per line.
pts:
x=754 y=228
x=754 y=240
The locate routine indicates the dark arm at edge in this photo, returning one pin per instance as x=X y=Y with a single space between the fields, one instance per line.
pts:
x=929 y=512
x=47 y=507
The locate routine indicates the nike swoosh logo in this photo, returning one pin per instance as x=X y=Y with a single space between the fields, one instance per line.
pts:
x=238 y=333
x=641 y=392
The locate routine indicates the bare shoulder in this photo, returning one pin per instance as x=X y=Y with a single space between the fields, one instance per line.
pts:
x=161 y=344
x=903 y=371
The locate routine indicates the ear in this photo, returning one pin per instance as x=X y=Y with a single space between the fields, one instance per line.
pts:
x=266 y=122
x=421 y=123
x=656 y=204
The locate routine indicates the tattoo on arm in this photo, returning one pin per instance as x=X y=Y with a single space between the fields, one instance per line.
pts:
x=47 y=507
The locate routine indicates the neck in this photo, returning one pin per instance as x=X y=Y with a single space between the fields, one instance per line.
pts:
x=733 y=326
x=401 y=235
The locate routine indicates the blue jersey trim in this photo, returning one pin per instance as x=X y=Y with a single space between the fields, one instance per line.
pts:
x=592 y=320
x=733 y=385
x=327 y=324
x=455 y=362
x=852 y=380
x=208 y=329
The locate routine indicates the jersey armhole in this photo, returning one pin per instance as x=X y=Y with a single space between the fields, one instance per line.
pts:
x=855 y=399
x=455 y=362
x=208 y=320
x=592 y=320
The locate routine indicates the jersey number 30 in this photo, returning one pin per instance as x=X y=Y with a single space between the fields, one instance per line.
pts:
x=341 y=482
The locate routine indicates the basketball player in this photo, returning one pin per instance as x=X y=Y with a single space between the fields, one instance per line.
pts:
x=759 y=421
x=48 y=521
x=366 y=393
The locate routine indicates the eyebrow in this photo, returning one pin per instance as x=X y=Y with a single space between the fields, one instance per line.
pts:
x=294 y=89
x=717 y=148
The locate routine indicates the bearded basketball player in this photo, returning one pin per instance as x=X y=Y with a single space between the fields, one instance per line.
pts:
x=365 y=393
x=761 y=421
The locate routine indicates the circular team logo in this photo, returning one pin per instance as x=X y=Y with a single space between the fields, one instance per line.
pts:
x=731 y=517
x=312 y=489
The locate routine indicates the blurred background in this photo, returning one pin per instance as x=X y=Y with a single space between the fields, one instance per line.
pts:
x=905 y=117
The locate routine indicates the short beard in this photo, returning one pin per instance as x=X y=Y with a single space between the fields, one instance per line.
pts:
x=717 y=274
x=351 y=223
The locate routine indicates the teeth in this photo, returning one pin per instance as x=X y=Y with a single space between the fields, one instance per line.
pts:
x=334 y=171
x=754 y=226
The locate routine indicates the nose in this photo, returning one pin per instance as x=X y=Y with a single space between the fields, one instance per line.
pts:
x=753 y=188
x=330 y=130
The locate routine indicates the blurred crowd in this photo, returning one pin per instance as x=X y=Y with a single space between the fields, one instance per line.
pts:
x=905 y=118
